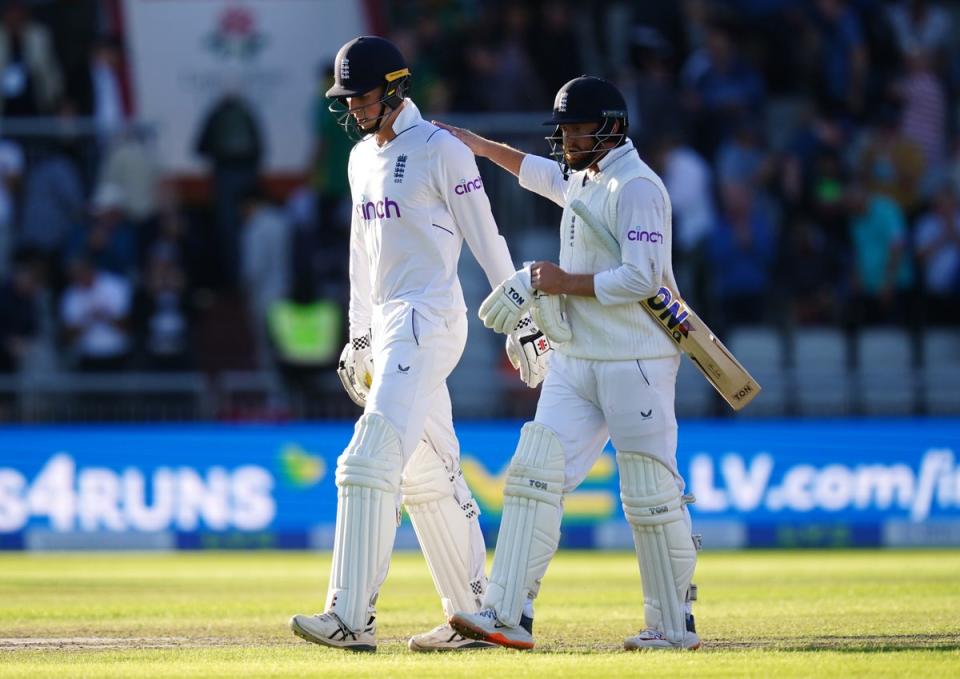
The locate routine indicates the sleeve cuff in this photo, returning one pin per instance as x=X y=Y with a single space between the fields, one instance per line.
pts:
x=533 y=169
x=602 y=282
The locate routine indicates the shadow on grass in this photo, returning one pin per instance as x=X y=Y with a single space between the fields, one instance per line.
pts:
x=884 y=643
x=890 y=643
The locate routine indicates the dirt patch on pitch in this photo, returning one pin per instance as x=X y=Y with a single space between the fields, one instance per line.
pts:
x=111 y=643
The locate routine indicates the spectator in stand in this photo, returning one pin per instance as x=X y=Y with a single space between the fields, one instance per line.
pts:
x=689 y=181
x=186 y=246
x=266 y=266
x=518 y=85
x=555 y=50
x=824 y=199
x=821 y=139
x=11 y=169
x=924 y=113
x=231 y=140
x=31 y=81
x=328 y=180
x=743 y=158
x=20 y=311
x=108 y=239
x=429 y=86
x=891 y=164
x=937 y=245
x=811 y=273
x=882 y=274
x=844 y=59
x=164 y=313
x=922 y=26
x=94 y=89
x=131 y=166
x=95 y=314
x=54 y=202
x=721 y=87
x=656 y=104
x=742 y=251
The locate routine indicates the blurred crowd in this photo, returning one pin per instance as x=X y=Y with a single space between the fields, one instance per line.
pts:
x=811 y=149
x=104 y=266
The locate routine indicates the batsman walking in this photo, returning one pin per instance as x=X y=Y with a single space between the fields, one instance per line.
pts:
x=417 y=196
x=613 y=374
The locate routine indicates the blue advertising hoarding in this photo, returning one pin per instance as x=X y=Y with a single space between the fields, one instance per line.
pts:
x=769 y=483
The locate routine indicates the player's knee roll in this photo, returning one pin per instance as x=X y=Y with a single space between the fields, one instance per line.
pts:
x=537 y=469
x=425 y=479
x=374 y=456
x=648 y=490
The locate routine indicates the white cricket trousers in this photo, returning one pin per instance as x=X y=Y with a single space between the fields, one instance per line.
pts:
x=414 y=352
x=587 y=401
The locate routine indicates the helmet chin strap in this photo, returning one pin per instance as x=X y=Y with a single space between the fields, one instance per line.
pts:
x=380 y=118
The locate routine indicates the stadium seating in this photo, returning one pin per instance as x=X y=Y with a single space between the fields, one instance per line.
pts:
x=941 y=370
x=886 y=383
x=761 y=351
x=820 y=372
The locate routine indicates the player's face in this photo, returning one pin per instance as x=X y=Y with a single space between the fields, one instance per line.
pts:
x=365 y=108
x=577 y=139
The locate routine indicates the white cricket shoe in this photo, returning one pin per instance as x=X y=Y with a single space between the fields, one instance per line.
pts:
x=327 y=629
x=484 y=626
x=649 y=639
x=445 y=638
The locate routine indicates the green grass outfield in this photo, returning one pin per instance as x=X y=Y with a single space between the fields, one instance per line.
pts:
x=760 y=614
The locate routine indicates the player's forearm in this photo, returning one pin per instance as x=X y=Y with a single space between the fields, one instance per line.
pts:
x=580 y=284
x=505 y=156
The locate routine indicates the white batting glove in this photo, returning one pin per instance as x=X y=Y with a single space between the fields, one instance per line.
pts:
x=505 y=307
x=355 y=369
x=529 y=352
x=550 y=314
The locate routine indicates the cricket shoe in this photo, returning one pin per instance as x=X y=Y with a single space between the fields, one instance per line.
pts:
x=650 y=639
x=484 y=626
x=445 y=638
x=327 y=629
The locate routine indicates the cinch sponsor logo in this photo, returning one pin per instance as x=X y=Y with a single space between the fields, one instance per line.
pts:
x=382 y=209
x=467 y=186
x=649 y=236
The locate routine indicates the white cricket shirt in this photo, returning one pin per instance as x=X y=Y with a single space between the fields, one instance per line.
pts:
x=415 y=200
x=631 y=203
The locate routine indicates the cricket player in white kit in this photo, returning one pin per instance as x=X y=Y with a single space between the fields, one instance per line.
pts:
x=613 y=374
x=417 y=196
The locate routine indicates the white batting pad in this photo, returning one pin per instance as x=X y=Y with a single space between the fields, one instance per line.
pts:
x=448 y=530
x=661 y=533
x=530 y=526
x=368 y=478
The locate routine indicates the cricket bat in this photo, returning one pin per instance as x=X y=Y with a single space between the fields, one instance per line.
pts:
x=687 y=330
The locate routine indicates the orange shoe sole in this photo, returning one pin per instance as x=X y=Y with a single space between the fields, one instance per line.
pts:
x=472 y=632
